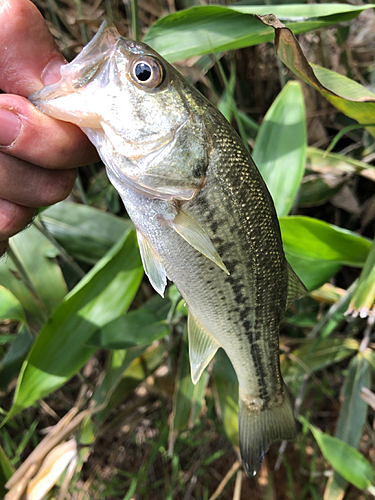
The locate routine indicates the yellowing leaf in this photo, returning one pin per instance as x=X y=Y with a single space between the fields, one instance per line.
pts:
x=348 y=96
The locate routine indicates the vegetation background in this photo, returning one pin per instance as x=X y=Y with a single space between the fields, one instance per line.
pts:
x=89 y=352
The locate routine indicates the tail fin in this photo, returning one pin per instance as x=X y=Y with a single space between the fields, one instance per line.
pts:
x=260 y=427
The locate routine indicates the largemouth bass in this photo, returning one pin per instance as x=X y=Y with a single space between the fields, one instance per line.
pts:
x=204 y=217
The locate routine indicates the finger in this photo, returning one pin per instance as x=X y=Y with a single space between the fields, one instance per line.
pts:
x=31 y=57
x=30 y=61
x=13 y=218
x=39 y=139
x=32 y=186
x=3 y=247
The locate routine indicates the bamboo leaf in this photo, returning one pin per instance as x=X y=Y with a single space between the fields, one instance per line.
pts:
x=311 y=244
x=188 y=398
x=33 y=275
x=204 y=29
x=60 y=350
x=313 y=239
x=282 y=165
x=345 y=459
x=364 y=295
x=352 y=417
x=6 y=471
x=10 y=306
x=85 y=232
x=140 y=327
x=226 y=395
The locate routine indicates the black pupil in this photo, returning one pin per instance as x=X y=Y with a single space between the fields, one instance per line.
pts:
x=143 y=72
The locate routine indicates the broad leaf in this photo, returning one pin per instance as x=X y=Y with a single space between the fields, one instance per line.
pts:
x=226 y=394
x=212 y=28
x=313 y=239
x=345 y=459
x=60 y=349
x=280 y=146
x=316 y=250
x=32 y=274
x=10 y=306
x=85 y=232
x=139 y=327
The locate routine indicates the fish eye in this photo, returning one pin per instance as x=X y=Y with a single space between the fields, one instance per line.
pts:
x=147 y=72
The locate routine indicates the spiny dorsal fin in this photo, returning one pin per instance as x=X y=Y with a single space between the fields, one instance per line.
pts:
x=196 y=236
x=202 y=348
x=296 y=288
x=152 y=264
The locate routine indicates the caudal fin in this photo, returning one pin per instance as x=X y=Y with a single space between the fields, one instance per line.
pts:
x=260 y=427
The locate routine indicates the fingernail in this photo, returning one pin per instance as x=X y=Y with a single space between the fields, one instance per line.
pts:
x=51 y=73
x=10 y=127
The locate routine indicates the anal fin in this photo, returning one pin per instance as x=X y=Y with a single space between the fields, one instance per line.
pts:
x=202 y=348
x=197 y=237
x=152 y=265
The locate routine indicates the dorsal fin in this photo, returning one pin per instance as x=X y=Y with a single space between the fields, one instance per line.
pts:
x=296 y=288
x=202 y=348
x=197 y=237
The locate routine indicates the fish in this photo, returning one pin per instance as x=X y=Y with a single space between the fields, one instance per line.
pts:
x=203 y=215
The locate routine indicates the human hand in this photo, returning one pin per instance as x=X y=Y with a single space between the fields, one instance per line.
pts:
x=38 y=155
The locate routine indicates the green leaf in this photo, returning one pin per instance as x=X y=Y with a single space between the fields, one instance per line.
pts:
x=12 y=361
x=140 y=327
x=6 y=471
x=10 y=306
x=313 y=239
x=226 y=394
x=60 y=350
x=140 y=364
x=345 y=459
x=205 y=29
x=188 y=398
x=282 y=165
x=85 y=232
x=352 y=416
x=364 y=295
x=316 y=250
x=118 y=361
x=314 y=355
x=32 y=276
x=335 y=314
x=314 y=273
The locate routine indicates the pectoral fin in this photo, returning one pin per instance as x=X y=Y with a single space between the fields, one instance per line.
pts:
x=196 y=236
x=296 y=288
x=202 y=348
x=152 y=265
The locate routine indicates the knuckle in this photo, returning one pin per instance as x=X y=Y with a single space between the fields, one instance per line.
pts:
x=60 y=184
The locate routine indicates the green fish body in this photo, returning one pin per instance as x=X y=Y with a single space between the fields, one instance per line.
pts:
x=204 y=217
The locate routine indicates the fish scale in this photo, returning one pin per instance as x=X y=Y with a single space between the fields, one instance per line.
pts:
x=203 y=215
